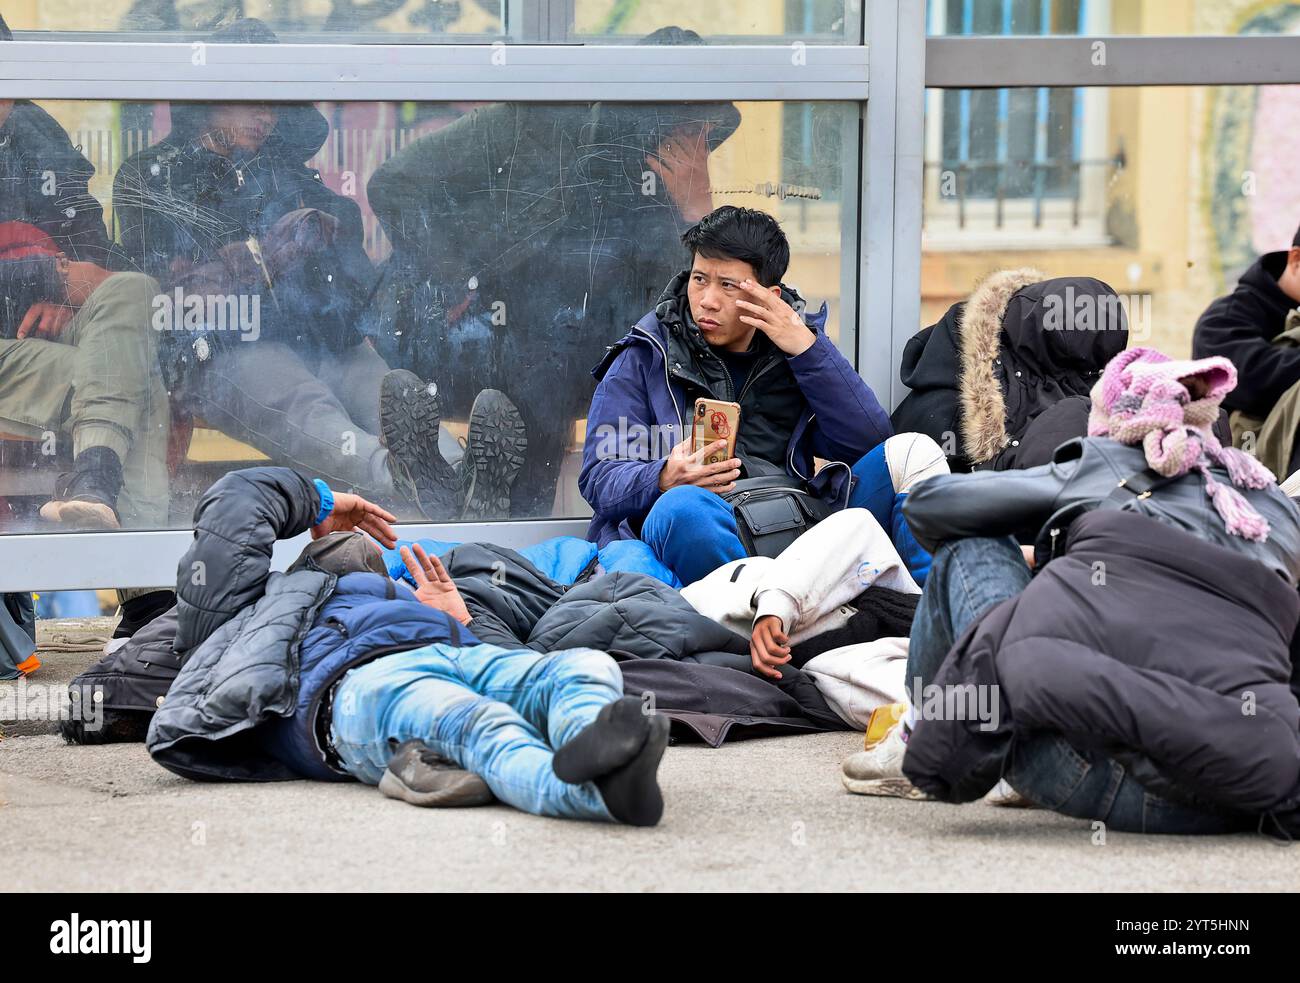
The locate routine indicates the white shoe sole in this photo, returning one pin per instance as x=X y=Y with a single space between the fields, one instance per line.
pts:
x=892 y=788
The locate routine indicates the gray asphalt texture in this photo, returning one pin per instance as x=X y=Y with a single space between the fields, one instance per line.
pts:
x=761 y=815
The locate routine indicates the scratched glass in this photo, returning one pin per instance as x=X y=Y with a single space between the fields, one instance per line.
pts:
x=281 y=259
x=452 y=21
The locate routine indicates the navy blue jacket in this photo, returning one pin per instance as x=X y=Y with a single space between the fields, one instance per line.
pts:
x=260 y=650
x=367 y=616
x=648 y=384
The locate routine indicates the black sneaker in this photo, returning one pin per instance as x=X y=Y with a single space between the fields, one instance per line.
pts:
x=494 y=454
x=419 y=776
x=409 y=416
x=86 y=496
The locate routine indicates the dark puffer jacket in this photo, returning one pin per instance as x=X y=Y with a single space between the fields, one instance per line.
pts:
x=260 y=650
x=699 y=671
x=1177 y=666
x=177 y=203
x=1176 y=663
x=1004 y=377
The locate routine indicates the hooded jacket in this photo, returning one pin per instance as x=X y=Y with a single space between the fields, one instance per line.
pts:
x=983 y=376
x=792 y=409
x=177 y=204
x=1241 y=327
x=46 y=184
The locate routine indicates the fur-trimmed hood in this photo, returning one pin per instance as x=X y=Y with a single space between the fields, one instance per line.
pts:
x=1019 y=344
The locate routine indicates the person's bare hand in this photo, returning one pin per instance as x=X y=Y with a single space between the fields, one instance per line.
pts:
x=45 y=320
x=682 y=163
x=766 y=311
x=352 y=512
x=433 y=585
x=1028 y=553
x=682 y=466
x=769 y=646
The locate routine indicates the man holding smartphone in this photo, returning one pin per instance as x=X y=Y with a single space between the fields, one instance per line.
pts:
x=725 y=329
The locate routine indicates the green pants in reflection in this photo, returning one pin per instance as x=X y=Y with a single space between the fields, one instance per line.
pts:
x=98 y=383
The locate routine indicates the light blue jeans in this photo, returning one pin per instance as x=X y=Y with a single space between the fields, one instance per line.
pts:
x=496 y=712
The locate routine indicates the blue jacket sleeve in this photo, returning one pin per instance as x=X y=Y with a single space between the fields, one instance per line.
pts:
x=620 y=465
x=850 y=420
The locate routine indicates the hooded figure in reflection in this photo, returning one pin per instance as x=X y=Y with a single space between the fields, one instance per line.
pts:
x=265 y=282
x=527 y=237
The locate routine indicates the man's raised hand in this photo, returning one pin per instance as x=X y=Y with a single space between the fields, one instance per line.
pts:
x=766 y=311
x=352 y=512
x=433 y=585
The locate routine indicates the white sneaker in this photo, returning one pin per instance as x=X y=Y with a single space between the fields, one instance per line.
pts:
x=879 y=769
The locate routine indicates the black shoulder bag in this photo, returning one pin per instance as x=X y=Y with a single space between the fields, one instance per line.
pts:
x=772 y=511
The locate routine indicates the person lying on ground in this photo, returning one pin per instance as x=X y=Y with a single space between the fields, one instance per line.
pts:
x=1142 y=676
x=1003 y=378
x=727 y=329
x=837 y=603
x=333 y=671
x=1257 y=328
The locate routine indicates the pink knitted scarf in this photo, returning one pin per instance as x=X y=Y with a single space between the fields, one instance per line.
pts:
x=1168 y=407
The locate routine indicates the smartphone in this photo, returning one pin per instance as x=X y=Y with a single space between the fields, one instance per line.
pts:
x=716 y=420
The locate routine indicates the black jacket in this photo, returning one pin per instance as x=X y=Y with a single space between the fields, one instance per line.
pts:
x=176 y=205
x=45 y=182
x=1029 y=504
x=1241 y=327
x=986 y=381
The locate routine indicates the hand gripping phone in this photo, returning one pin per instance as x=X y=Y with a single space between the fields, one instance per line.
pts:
x=715 y=420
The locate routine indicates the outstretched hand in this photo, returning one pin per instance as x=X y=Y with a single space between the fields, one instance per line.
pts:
x=769 y=646
x=433 y=585
x=352 y=512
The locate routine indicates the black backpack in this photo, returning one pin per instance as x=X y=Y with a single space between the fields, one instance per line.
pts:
x=128 y=685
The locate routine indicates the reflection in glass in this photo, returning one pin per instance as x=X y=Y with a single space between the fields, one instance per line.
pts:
x=350 y=288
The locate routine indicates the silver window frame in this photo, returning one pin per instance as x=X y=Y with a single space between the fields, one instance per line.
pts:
x=492 y=70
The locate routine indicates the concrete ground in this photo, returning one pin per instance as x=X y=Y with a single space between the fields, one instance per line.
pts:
x=763 y=815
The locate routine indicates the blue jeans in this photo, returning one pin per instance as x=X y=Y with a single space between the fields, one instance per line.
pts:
x=693 y=531
x=496 y=712
x=967 y=578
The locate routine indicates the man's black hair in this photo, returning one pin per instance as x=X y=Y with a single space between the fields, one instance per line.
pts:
x=1295 y=242
x=745 y=234
x=24 y=282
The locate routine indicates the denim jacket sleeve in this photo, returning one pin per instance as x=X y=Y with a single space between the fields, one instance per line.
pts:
x=850 y=420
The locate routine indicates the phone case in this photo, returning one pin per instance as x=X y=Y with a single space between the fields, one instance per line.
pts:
x=716 y=420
